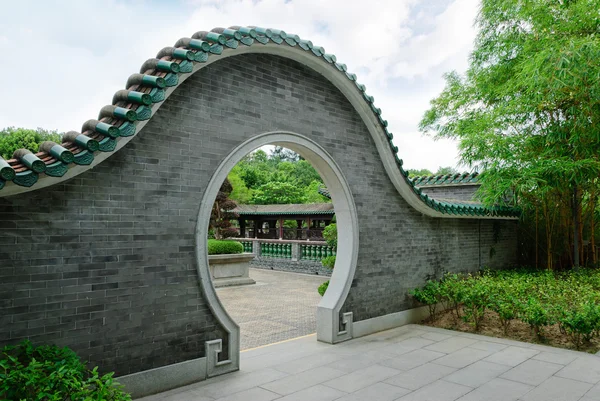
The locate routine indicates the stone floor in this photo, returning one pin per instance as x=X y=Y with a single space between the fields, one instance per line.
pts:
x=410 y=363
x=278 y=307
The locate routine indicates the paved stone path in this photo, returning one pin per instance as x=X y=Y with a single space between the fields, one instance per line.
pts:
x=278 y=307
x=410 y=363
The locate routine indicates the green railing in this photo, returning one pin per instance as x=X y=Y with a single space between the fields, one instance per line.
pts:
x=273 y=250
x=247 y=246
x=316 y=252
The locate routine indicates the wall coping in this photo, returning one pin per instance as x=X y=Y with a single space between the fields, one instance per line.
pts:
x=231 y=258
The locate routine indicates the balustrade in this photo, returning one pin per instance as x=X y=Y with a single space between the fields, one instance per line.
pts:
x=288 y=250
x=316 y=252
x=276 y=250
x=247 y=246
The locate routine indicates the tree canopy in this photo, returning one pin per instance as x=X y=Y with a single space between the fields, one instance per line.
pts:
x=527 y=112
x=425 y=172
x=12 y=138
x=278 y=178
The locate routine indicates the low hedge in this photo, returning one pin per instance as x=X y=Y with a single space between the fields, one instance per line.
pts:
x=49 y=373
x=538 y=298
x=221 y=247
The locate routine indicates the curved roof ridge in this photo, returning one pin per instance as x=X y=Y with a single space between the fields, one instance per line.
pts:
x=148 y=89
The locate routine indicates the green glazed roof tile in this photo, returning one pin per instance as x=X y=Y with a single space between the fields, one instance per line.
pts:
x=57 y=169
x=84 y=158
x=127 y=128
x=107 y=145
x=26 y=178
x=201 y=57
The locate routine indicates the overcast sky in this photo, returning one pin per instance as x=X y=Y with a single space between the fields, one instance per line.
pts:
x=63 y=60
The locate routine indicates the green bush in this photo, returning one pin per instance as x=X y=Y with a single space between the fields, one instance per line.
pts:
x=330 y=235
x=328 y=261
x=220 y=247
x=429 y=295
x=49 y=373
x=537 y=298
x=323 y=287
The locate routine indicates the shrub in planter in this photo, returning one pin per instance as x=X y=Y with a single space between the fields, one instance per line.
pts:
x=49 y=373
x=220 y=247
x=323 y=287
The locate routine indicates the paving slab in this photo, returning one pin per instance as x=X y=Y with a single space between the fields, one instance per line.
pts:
x=412 y=359
x=558 y=389
x=421 y=376
x=488 y=346
x=399 y=364
x=477 y=374
x=498 y=390
x=586 y=369
x=294 y=383
x=376 y=392
x=463 y=357
x=253 y=394
x=361 y=378
x=316 y=393
x=451 y=344
x=512 y=356
x=437 y=391
x=532 y=372
x=562 y=358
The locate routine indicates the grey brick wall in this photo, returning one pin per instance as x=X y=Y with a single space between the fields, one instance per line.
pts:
x=105 y=263
x=462 y=192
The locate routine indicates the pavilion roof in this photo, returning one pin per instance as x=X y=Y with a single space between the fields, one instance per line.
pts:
x=290 y=209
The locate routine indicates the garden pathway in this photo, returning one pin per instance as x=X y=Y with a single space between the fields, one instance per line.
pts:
x=410 y=363
x=280 y=306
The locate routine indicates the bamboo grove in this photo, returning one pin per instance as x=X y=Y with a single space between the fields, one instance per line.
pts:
x=526 y=114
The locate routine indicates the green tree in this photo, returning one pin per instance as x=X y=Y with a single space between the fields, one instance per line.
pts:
x=12 y=138
x=446 y=170
x=527 y=110
x=261 y=179
x=277 y=193
x=312 y=195
x=418 y=173
x=241 y=193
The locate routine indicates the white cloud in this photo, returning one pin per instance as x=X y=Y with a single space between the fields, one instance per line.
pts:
x=69 y=57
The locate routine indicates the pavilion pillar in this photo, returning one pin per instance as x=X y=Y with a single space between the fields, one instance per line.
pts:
x=298 y=229
x=308 y=228
x=255 y=228
x=242 y=222
x=281 y=228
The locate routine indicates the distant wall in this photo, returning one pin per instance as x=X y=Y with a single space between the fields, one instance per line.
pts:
x=457 y=192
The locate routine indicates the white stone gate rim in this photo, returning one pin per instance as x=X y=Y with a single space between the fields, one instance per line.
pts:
x=328 y=328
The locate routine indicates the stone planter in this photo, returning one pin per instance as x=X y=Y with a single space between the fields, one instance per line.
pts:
x=230 y=269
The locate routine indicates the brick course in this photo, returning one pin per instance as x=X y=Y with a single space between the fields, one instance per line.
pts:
x=105 y=264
